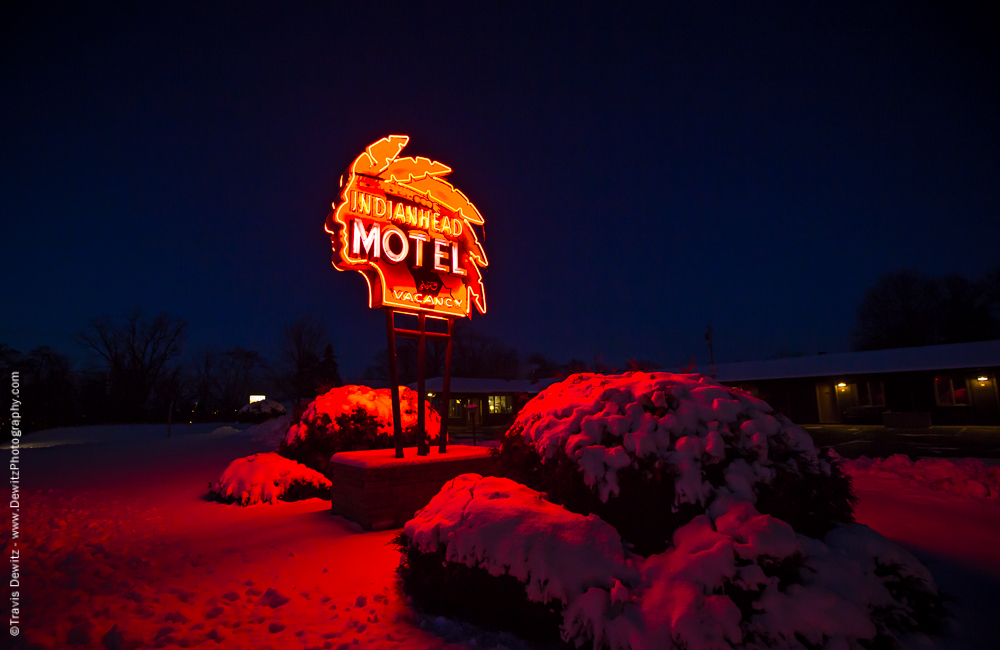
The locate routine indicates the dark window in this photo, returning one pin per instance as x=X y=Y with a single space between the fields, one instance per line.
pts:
x=871 y=393
x=950 y=391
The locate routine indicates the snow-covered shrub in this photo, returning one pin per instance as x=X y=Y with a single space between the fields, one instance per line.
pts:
x=353 y=418
x=519 y=555
x=660 y=511
x=647 y=452
x=260 y=411
x=732 y=577
x=268 y=478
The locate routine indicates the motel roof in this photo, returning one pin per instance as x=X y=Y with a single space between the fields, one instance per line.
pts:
x=981 y=354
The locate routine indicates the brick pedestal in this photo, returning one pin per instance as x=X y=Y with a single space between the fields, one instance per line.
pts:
x=380 y=491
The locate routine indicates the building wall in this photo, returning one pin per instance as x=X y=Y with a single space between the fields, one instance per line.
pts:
x=975 y=402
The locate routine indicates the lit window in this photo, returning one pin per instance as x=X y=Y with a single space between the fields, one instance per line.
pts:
x=500 y=403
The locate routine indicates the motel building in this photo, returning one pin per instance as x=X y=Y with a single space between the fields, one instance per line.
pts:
x=942 y=385
x=494 y=402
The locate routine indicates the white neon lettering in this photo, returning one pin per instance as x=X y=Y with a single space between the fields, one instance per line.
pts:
x=369 y=240
x=395 y=258
x=418 y=241
x=379 y=202
x=455 y=268
x=439 y=253
x=365 y=203
x=456 y=227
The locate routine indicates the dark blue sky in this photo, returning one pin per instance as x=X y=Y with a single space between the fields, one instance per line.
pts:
x=643 y=171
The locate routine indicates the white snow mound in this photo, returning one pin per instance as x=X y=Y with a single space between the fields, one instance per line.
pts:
x=378 y=403
x=687 y=421
x=966 y=476
x=271 y=431
x=263 y=478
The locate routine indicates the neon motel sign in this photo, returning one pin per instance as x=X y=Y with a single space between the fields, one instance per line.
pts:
x=409 y=232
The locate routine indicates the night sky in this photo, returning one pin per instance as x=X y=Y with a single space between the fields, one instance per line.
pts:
x=643 y=171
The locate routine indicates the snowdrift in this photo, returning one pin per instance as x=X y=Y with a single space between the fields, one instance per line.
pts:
x=268 y=478
x=965 y=476
x=270 y=431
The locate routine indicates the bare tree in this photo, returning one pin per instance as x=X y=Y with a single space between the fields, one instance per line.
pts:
x=238 y=371
x=301 y=353
x=136 y=353
x=205 y=382
x=907 y=309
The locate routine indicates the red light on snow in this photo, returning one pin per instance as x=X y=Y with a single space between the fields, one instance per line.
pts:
x=409 y=232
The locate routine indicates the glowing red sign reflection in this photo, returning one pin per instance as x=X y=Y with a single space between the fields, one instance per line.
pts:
x=409 y=232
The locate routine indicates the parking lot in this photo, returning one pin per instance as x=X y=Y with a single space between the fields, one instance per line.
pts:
x=852 y=441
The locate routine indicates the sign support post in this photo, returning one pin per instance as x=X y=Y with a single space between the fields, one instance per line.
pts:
x=423 y=449
x=420 y=334
x=446 y=392
x=397 y=421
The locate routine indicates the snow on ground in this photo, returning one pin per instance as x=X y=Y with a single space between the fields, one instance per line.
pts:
x=271 y=432
x=119 y=534
x=968 y=476
x=116 y=532
x=953 y=534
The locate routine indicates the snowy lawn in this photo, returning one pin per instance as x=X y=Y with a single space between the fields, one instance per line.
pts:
x=117 y=535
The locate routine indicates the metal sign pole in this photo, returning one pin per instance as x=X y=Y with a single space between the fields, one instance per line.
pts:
x=423 y=448
x=397 y=421
x=446 y=393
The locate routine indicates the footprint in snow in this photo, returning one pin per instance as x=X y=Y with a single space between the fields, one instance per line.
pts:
x=273 y=599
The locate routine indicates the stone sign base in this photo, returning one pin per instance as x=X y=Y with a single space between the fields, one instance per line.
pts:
x=380 y=491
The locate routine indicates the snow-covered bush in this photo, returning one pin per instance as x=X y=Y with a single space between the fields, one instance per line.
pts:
x=268 y=478
x=353 y=418
x=647 y=452
x=661 y=510
x=732 y=578
x=260 y=411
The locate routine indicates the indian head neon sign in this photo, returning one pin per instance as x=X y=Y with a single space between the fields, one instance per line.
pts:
x=409 y=232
